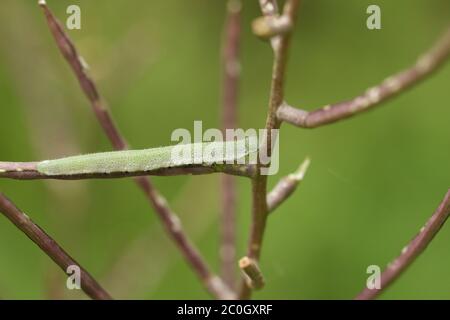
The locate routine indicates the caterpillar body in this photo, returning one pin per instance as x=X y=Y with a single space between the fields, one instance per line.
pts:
x=228 y=152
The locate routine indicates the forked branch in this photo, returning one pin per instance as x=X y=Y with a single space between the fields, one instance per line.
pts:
x=277 y=28
x=168 y=218
x=280 y=45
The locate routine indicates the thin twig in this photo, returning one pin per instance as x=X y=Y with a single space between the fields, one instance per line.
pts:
x=259 y=189
x=231 y=71
x=88 y=86
x=392 y=86
x=29 y=171
x=169 y=219
x=412 y=250
x=89 y=285
x=286 y=186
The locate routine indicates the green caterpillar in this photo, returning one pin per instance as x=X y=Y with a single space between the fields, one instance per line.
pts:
x=229 y=152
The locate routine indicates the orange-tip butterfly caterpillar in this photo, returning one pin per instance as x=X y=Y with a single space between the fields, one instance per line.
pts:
x=228 y=152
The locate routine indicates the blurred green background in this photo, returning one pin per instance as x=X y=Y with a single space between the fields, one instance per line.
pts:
x=373 y=182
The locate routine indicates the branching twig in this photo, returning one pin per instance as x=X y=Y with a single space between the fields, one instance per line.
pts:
x=169 y=219
x=286 y=186
x=278 y=29
x=412 y=250
x=231 y=70
x=50 y=247
x=425 y=65
x=259 y=189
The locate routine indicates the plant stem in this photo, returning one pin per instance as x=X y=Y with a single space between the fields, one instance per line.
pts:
x=286 y=186
x=412 y=250
x=231 y=71
x=168 y=218
x=89 y=285
x=426 y=65
x=29 y=171
x=259 y=189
